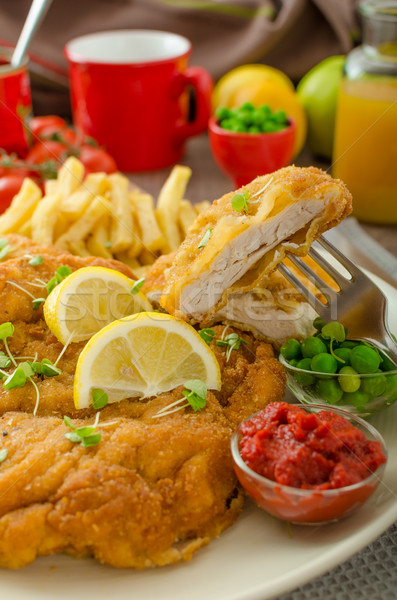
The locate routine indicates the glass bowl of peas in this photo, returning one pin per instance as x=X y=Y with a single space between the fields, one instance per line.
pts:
x=330 y=369
x=248 y=141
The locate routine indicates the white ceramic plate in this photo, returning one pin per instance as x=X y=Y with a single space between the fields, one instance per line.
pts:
x=256 y=559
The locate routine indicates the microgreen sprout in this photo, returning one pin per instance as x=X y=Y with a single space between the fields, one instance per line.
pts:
x=207 y=335
x=87 y=436
x=3 y=454
x=60 y=274
x=5 y=249
x=240 y=201
x=5 y=361
x=6 y=331
x=137 y=286
x=334 y=331
x=36 y=260
x=37 y=302
x=232 y=342
x=46 y=367
x=205 y=239
x=99 y=398
x=195 y=395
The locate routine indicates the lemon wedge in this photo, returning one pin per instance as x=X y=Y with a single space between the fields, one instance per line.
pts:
x=142 y=356
x=89 y=299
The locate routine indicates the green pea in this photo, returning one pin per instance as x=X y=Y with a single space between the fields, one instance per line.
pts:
x=386 y=364
x=349 y=344
x=359 y=399
x=265 y=111
x=329 y=390
x=294 y=362
x=318 y=323
x=324 y=363
x=280 y=117
x=227 y=124
x=239 y=127
x=254 y=129
x=391 y=384
x=244 y=117
x=312 y=346
x=270 y=127
x=375 y=386
x=257 y=118
x=304 y=378
x=222 y=113
x=364 y=359
x=344 y=354
x=247 y=106
x=291 y=349
x=349 y=380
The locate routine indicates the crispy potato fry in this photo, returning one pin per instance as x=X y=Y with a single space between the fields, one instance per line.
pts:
x=44 y=219
x=79 y=248
x=147 y=257
x=141 y=271
x=187 y=215
x=123 y=257
x=26 y=229
x=199 y=207
x=70 y=176
x=98 y=208
x=168 y=205
x=95 y=184
x=143 y=206
x=122 y=227
x=97 y=241
x=21 y=207
x=50 y=186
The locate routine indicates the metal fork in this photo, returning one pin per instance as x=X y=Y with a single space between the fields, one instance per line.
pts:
x=359 y=304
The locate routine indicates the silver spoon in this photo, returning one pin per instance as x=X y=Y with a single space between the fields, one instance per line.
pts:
x=36 y=14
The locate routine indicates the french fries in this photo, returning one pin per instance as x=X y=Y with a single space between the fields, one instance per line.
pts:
x=104 y=215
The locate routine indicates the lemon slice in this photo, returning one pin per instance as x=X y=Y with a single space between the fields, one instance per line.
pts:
x=89 y=299
x=141 y=356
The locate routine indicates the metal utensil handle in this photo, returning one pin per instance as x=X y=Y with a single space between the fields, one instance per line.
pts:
x=37 y=12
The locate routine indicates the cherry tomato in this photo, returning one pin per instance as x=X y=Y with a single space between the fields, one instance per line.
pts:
x=9 y=186
x=96 y=159
x=46 y=126
x=47 y=150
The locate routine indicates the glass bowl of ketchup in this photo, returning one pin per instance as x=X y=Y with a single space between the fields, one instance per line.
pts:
x=308 y=465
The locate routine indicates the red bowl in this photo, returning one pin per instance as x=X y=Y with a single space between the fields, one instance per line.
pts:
x=244 y=156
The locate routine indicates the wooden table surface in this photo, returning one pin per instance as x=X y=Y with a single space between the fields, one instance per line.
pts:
x=209 y=183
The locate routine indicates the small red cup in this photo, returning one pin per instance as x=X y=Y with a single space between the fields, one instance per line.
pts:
x=15 y=104
x=130 y=91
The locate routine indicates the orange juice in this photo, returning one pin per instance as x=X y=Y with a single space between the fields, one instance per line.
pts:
x=365 y=149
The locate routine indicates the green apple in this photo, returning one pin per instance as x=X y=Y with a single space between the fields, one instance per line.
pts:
x=318 y=92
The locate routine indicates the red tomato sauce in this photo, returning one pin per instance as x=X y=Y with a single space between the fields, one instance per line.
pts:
x=304 y=450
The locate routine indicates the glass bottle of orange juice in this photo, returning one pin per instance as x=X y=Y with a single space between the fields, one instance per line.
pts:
x=365 y=148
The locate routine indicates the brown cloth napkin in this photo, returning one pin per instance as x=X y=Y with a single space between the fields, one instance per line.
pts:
x=291 y=35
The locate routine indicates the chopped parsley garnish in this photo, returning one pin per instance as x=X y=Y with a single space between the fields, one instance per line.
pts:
x=205 y=238
x=99 y=398
x=137 y=286
x=36 y=260
x=60 y=274
x=232 y=342
x=240 y=201
x=3 y=454
x=207 y=335
x=87 y=436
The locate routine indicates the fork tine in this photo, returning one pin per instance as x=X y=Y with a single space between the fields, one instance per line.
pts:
x=309 y=273
x=319 y=307
x=349 y=266
x=328 y=268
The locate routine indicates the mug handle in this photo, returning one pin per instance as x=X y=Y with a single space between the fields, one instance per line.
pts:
x=202 y=83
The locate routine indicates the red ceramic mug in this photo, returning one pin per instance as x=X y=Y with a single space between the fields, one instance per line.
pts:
x=15 y=104
x=130 y=91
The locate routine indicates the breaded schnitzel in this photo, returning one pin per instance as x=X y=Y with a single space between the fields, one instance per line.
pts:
x=153 y=490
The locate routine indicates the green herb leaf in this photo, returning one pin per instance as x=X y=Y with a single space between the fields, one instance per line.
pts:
x=233 y=342
x=5 y=361
x=68 y=422
x=6 y=330
x=91 y=440
x=197 y=386
x=16 y=379
x=3 y=454
x=240 y=201
x=84 y=431
x=37 y=302
x=26 y=368
x=99 y=398
x=36 y=260
x=137 y=285
x=3 y=242
x=205 y=238
x=4 y=251
x=207 y=335
x=73 y=437
x=60 y=274
x=334 y=330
